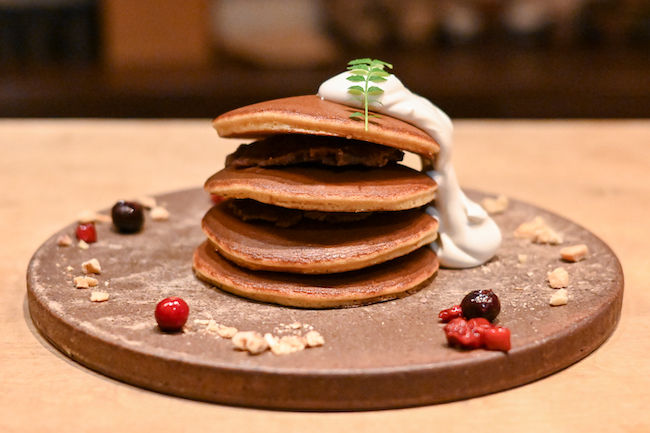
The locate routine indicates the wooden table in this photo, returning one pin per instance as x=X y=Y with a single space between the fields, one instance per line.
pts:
x=592 y=172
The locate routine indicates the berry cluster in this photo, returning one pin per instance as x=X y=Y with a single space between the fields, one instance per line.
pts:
x=468 y=325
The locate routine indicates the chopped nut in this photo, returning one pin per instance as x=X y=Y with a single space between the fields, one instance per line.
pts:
x=561 y=297
x=538 y=232
x=81 y=283
x=522 y=258
x=296 y=325
x=99 y=296
x=289 y=344
x=226 y=331
x=159 y=214
x=271 y=339
x=83 y=245
x=495 y=205
x=574 y=253
x=558 y=278
x=251 y=341
x=91 y=267
x=92 y=282
x=64 y=241
x=314 y=339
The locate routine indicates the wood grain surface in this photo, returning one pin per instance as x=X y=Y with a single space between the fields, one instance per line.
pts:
x=591 y=172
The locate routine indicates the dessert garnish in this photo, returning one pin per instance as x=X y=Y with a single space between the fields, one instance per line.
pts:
x=367 y=71
x=128 y=217
x=468 y=325
x=171 y=314
x=86 y=232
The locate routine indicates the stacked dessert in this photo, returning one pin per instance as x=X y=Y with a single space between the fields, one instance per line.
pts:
x=318 y=212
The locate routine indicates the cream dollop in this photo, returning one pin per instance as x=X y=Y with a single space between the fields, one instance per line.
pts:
x=467 y=236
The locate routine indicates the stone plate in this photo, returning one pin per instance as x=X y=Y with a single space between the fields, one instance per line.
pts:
x=387 y=355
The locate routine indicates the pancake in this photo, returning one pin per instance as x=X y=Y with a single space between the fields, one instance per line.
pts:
x=387 y=281
x=317 y=247
x=328 y=189
x=311 y=115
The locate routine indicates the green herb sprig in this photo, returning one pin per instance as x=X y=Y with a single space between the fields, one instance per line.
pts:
x=366 y=72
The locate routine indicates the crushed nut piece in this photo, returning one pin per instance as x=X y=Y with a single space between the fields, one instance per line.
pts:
x=495 y=205
x=92 y=282
x=295 y=325
x=91 y=267
x=314 y=339
x=538 y=232
x=159 y=214
x=289 y=344
x=561 y=297
x=574 y=253
x=558 y=278
x=99 y=296
x=83 y=245
x=81 y=283
x=226 y=331
x=64 y=241
x=251 y=341
x=522 y=258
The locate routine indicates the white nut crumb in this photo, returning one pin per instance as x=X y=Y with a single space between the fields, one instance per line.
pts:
x=314 y=339
x=211 y=326
x=69 y=268
x=574 y=253
x=296 y=325
x=92 y=282
x=271 y=339
x=558 y=278
x=495 y=205
x=226 y=331
x=561 y=297
x=64 y=241
x=289 y=344
x=83 y=245
x=91 y=267
x=99 y=296
x=424 y=300
x=159 y=214
x=147 y=202
x=81 y=283
x=522 y=258
x=538 y=232
x=251 y=341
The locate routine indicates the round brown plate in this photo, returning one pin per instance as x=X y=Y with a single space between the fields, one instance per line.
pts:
x=385 y=355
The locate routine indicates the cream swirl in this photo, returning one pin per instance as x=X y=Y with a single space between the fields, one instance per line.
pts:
x=467 y=236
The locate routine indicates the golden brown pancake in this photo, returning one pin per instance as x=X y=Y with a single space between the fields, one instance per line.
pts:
x=328 y=189
x=317 y=247
x=387 y=281
x=312 y=115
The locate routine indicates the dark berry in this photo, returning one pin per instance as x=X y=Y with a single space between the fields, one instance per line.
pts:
x=481 y=303
x=171 y=314
x=128 y=217
x=450 y=313
x=87 y=232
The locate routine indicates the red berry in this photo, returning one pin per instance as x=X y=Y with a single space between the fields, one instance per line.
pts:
x=450 y=313
x=216 y=199
x=171 y=314
x=497 y=338
x=86 y=232
x=460 y=334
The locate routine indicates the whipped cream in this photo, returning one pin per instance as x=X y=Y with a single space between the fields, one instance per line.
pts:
x=467 y=236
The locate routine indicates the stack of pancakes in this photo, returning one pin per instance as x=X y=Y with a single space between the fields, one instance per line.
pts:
x=318 y=212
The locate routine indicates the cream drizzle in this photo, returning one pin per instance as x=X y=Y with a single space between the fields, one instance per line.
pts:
x=467 y=236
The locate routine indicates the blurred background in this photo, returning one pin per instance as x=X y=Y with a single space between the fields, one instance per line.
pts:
x=199 y=58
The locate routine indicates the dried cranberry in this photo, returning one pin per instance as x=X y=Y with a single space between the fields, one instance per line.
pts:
x=87 y=232
x=450 y=313
x=128 y=217
x=481 y=303
x=460 y=334
x=171 y=314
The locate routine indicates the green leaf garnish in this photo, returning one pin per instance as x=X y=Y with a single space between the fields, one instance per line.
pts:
x=367 y=71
